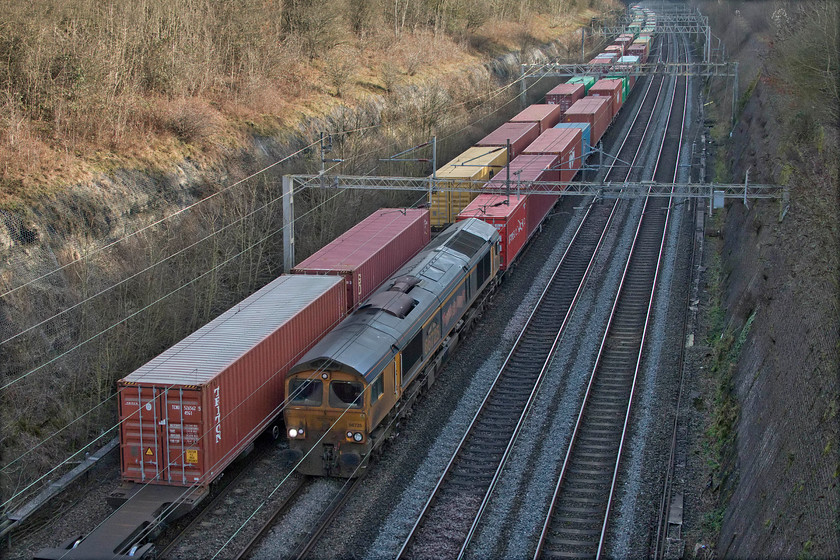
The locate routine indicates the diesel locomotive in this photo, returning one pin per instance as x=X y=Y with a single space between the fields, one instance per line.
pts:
x=347 y=392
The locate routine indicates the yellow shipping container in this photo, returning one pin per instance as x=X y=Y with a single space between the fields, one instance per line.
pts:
x=476 y=164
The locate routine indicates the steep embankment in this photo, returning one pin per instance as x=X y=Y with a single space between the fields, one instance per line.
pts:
x=97 y=281
x=775 y=417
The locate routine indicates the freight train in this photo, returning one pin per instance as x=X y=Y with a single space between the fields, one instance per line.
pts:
x=337 y=355
x=190 y=411
x=350 y=390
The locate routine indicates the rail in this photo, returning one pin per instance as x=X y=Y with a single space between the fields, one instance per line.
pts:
x=593 y=456
x=475 y=467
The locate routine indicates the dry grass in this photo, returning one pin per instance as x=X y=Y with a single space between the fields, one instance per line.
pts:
x=89 y=86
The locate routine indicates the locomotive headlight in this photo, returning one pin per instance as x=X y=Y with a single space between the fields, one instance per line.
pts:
x=295 y=433
x=349 y=435
x=357 y=437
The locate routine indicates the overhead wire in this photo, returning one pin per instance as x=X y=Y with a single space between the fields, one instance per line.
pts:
x=495 y=93
x=33 y=448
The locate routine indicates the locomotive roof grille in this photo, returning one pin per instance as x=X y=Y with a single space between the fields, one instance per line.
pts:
x=465 y=243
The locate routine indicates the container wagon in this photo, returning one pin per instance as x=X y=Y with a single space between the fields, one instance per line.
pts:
x=190 y=411
x=369 y=252
x=475 y=164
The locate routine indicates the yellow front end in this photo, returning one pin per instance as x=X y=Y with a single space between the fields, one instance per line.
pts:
x=327 y=423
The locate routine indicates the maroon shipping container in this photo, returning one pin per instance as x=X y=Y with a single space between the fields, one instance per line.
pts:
x=592 y=110
x=600 y=62
x=508 y=214
x=615 y=48
x=190 y=411
x=368 y=253
x=545 y=115
x=539 y=205
x=524 y=169
x=638 y=50
x=564 y=95
x=610 y=89
x=520 y=134
x=566 y=144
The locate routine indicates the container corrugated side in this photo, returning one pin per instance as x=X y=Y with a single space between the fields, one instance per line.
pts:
x=611 y=89
x=475 y=164
x=564 y=95
x=547 y=115
x=509 y=215
x=368 y=253
x=592 y=110
x=565 y=143
x=519 y=134
x=586 y=136
x=190 y=411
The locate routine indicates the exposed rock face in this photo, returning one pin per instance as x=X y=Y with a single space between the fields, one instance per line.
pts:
x=785 y=498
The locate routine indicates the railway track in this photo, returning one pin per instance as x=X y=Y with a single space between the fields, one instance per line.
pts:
x=577 y=522
x=452 y=513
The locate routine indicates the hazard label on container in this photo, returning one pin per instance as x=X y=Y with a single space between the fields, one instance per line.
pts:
x=192 y=456
x=149 y=451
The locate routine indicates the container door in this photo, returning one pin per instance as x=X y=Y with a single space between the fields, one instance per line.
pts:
x=183 y=431
x=142 y=433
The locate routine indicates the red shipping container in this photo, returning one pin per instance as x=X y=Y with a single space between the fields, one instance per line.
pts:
x=371 y=251
x=539 y=205
x=615 y=48
x=190 y=411
x=528 y=168
x=525 y=169
x=610 y=89
x=592 y=110
x=564 y=95
x=545 y=115
x=520 y=134
x=508 y=214
x=566 y=144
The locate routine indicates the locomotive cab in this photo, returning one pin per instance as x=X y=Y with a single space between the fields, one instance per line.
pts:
x=330 y=418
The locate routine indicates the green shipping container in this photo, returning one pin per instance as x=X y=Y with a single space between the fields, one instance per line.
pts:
x=587 y=81
x=625 y=85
